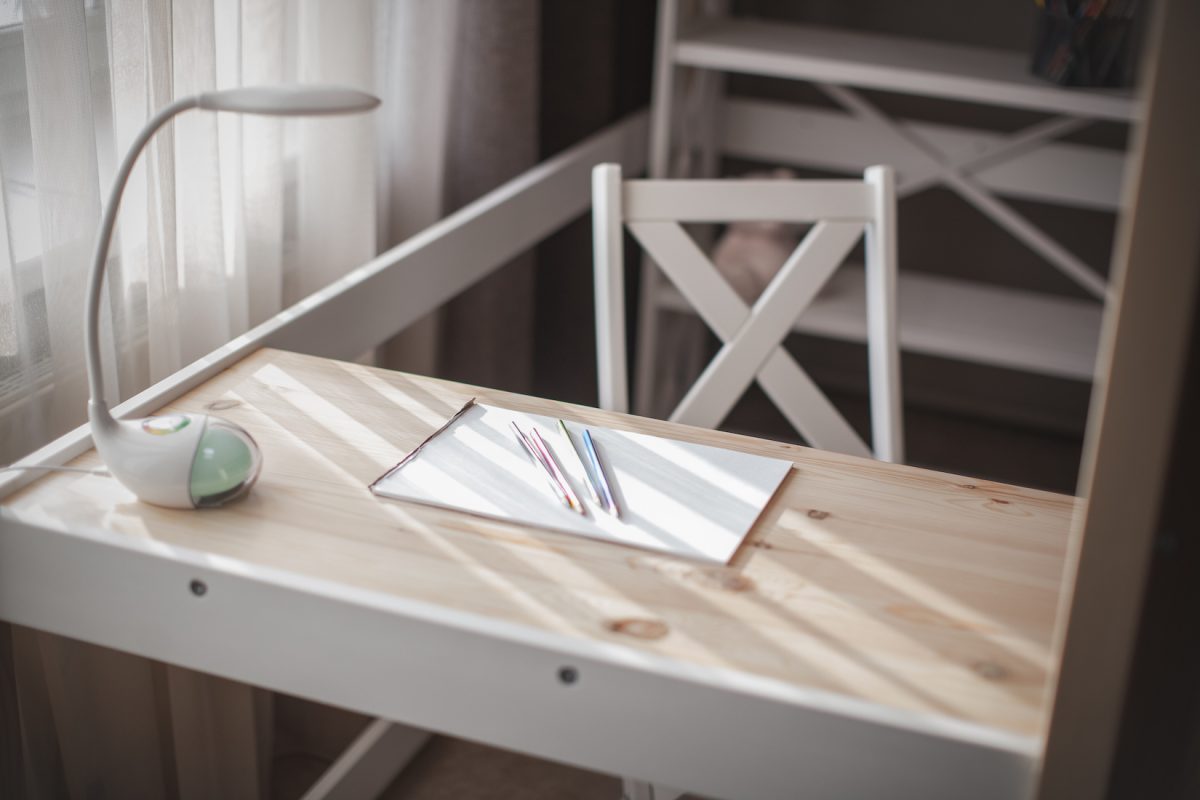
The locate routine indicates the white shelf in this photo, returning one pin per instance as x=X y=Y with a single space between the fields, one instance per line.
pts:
x=965 y=320
x=1067 y=174
x=915 y=66
x=945 y=317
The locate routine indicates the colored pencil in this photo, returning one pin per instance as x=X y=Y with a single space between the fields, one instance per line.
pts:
x=609 y=502
x=552 y=464
x=537 y=462
x=592 y=482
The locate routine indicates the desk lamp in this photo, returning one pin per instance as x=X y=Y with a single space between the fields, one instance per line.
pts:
x=187 y=460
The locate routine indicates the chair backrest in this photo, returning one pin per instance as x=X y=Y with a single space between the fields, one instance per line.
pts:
x=840 y=212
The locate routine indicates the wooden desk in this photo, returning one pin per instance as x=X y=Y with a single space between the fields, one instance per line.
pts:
x=885 y=630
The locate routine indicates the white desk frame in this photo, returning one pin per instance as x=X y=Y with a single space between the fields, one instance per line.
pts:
x=502 y=682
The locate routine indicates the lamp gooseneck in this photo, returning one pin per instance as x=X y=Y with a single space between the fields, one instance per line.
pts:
x=97 y=404
x=186 y=460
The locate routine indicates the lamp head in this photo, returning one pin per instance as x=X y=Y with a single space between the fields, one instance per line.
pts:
x=289 y=101
x=188 y=460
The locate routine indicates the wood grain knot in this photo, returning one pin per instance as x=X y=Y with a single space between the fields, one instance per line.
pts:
x=638 y=628
x=967 y=486
x=762 y=544
x=1006 y=507
x=223 y=405
x=725 y=581
x=990 y=670
x=817 y=513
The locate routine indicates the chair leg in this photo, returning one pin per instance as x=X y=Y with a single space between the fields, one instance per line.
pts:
x=645 y=389
x=641 y=790
x=636 y=790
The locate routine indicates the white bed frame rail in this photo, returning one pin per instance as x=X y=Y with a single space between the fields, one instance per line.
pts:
x=367 y=306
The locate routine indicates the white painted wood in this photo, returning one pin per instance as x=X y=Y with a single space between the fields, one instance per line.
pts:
x=1133 y=428
x=710 y=400
x=1000 y=150
x=662 y=99
x=883 y=329
x=807 y=408
x=1032 y=236
x=953 y=318
x=745 y=200
x=693 y=274
x=609 y=278
x=685 y=101
x=975 y=164
x=874 y=61
x=489 y=680
x=370 y=304
x=662 y=109
x=788 y=386
x=1058 y=256
x=335 y=424
x=750 y=348
x=370 y=763
x=730 y=373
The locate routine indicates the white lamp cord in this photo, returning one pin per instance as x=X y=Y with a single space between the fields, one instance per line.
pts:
x=87 y=470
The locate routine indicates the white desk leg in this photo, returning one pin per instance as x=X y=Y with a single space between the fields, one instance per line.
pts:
x=640 y=790
x=370 y=763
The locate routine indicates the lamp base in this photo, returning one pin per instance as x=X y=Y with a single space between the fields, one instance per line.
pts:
x=177 y=460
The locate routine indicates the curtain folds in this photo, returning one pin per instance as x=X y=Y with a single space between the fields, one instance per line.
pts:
x=487 y=332
x=226 y=220
x=462 y=78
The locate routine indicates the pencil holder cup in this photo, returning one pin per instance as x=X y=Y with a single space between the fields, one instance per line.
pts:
x=1073 y=50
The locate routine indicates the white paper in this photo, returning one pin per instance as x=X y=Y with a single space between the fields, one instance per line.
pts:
x=688 y=499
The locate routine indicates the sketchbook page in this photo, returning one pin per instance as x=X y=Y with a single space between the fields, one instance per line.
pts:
x=691 y=500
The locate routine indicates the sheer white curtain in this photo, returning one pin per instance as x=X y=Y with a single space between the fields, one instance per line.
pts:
x=461 y=85
x=227 y=219
x=415 y=57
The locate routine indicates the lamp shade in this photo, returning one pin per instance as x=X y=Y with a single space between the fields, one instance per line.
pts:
x=288 y=101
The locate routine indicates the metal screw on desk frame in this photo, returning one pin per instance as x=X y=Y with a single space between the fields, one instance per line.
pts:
x=199 y=588
x=568 y=675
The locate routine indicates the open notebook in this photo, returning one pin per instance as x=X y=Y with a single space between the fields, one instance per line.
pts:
x=688 y=499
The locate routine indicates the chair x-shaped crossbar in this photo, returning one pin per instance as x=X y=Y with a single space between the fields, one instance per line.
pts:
x=840 y=212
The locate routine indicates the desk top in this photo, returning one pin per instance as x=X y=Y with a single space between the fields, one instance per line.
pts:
x=899 y=586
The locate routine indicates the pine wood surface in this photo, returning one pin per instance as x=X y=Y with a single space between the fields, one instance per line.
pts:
x=901 y=586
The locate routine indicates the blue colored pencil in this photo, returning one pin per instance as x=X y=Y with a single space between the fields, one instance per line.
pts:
x=593 y=484
x=610 y=504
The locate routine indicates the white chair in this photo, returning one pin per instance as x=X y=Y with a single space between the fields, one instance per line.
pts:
x=840 y=210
